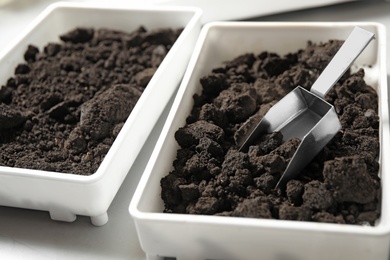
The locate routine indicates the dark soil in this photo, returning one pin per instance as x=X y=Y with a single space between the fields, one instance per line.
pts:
x=67 y=103
x=210 y=176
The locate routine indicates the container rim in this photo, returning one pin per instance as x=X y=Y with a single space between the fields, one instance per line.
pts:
x=91 y=6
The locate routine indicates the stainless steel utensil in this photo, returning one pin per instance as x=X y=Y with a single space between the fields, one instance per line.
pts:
x=305 y=114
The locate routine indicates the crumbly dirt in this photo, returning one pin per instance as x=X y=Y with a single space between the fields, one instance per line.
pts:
x=210 y=176
x=66 y=104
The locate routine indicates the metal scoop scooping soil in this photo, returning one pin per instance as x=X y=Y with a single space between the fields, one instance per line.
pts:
x=305 y=114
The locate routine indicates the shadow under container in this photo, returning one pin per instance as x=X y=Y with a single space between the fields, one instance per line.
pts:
x=67 y=195
x=217 y=237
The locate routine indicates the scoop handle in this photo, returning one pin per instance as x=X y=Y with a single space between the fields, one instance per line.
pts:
x=340 y=63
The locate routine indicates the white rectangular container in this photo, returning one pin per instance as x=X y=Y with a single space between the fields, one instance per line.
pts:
x=217 y=237
x=68 y=195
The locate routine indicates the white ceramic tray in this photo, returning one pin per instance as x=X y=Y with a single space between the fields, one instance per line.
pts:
x=215 y=237
x=68 y=195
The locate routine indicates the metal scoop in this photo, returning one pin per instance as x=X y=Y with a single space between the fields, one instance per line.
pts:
x=305 y=114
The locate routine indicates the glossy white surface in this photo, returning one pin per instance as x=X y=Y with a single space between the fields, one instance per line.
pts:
x=232 y=10
x=33 y=235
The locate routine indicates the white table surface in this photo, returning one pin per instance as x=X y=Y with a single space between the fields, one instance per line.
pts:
x=28 y=234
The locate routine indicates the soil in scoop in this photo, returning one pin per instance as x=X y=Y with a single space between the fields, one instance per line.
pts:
x=67 y=103
x=211 y=177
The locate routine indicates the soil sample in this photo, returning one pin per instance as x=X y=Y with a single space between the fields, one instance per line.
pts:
x=210 y=176
x=66 y=104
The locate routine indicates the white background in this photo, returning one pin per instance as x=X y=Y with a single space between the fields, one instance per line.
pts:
x=28 y=234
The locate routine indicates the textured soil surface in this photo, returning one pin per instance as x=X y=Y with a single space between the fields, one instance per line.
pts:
x=66 y=104
x=210 y=176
